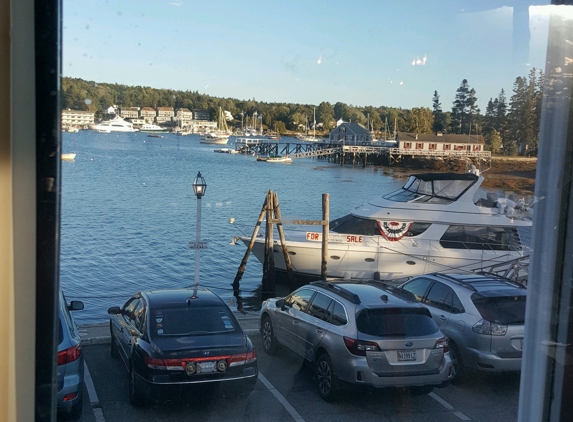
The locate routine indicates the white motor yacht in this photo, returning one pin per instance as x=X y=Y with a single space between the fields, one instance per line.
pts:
x=431 y=224
x=117 y=124
x=151 y=128
x=217 y=138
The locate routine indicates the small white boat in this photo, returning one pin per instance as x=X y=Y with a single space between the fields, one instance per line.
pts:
x=71 y=156
x=284 y=159
x=151 y=128
x=431 y=224
x=117 y=124
x=226 y=151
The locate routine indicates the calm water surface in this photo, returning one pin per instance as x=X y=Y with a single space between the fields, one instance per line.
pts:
x=129 y=213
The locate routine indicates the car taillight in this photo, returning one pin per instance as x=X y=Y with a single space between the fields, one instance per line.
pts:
x=359 y=347
x=442 y=343
x=69 y=355
x=181 y=364
x=489 y=328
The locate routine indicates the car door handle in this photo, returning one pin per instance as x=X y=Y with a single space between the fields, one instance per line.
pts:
x=442 y=317
x=318 y=330
x=294 y=321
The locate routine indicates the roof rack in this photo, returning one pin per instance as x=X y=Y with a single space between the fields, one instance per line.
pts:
x=500 y=278
x=340 y=291
x=394 y=290
x=467 y=280
x=455 y=280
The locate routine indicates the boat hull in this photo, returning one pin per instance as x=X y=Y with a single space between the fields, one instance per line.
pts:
x=381 y=259
x=214 y=141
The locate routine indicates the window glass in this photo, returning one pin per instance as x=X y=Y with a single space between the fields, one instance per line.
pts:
x=396 y=322
x=457 y=307
x=319 y=306
x=505 y=310
x=339 y=314
x=191 y=321
x=130 y=307
x=418 y=287
x=299 y=299
x=139 y=315
x=481 y=237
x=437 y=295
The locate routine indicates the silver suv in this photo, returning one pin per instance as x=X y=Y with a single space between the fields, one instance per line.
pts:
x=482 y=315
x=358 y=333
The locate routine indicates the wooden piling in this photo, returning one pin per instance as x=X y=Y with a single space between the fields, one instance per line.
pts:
x=286 y=256
x=243 y=265
x=325 y=228
x=268 y=287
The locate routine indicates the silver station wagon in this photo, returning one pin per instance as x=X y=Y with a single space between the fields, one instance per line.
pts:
x=358 y=333
x=482 y=315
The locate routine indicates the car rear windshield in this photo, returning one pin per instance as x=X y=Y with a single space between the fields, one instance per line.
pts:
x=396 y=322
x=189 y=321
x=507 y=310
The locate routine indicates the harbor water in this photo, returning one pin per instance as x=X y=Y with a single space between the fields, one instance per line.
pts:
x=129 y=213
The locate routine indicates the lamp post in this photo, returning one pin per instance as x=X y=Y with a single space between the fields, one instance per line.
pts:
x=199 y=187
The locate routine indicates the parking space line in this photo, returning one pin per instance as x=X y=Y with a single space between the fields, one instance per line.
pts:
x=94 y=401
x=281 y=398
x=449 y=407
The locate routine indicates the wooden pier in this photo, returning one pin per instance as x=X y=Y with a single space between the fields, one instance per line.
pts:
x=348 y=154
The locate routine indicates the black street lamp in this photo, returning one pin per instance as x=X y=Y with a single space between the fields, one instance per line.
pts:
x=199 y=187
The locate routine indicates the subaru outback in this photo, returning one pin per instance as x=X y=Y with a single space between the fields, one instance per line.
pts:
x=361 y=333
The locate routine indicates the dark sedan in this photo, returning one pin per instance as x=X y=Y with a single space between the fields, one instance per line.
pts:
x=177 y=338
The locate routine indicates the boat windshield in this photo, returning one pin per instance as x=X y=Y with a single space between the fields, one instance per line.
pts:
x=434 y=190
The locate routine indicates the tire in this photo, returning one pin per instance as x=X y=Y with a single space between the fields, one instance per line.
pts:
x=136 y=397
x=113 y=350
x=421 y=391
x=270 y=344
x=457 y=365
x=328 y=384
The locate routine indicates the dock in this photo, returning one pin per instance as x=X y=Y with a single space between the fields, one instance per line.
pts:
x=348 y=154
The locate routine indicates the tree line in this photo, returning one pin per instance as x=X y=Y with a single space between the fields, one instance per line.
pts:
x=509 y=126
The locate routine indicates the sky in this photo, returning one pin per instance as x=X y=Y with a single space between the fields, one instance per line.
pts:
x=393 y=53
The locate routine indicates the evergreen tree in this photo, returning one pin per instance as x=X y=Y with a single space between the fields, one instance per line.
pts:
x=464 y=117
x=495 y=141
x=524 y=114
x=439 y=116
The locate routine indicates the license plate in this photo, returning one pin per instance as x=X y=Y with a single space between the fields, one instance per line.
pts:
x=406 y=355
x=205 y=367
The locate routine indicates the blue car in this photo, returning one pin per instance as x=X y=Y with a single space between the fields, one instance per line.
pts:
x=70 y=361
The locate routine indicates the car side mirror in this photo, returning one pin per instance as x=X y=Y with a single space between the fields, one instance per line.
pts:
x=114 y=310
x=280 y=303
x=76 y=305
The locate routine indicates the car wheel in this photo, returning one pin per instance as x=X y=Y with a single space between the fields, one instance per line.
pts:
x=113 y=351
x=136 y=398
x=268 y=333
x=327 y=381
x=457 y=365
x=421 y=391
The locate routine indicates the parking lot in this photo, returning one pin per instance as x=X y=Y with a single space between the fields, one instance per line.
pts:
x=286 y=391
